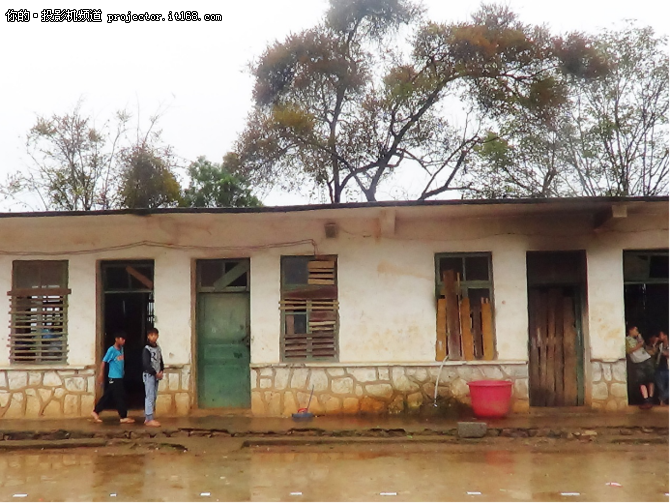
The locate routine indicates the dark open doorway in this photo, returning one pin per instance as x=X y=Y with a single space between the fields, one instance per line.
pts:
x=556 y=299
x=646 y=298
x=128 y=306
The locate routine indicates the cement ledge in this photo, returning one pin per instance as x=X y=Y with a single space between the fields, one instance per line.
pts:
x=63 y=367
x=448 y=363
x=60 y=367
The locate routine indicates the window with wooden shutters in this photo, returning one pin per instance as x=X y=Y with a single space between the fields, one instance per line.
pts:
x=38 y=311
x=464 y=291
x=309 y=308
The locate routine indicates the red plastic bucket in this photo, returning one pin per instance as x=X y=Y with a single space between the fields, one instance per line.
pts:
x=490 y=398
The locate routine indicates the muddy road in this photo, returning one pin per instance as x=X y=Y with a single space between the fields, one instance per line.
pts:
x=219 y=470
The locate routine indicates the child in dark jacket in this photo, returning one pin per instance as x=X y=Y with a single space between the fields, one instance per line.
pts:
x=152 y=372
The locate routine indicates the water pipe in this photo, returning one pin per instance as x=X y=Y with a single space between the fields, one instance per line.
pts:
x=437 y=381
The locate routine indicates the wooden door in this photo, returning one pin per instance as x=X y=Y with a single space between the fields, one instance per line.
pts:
x=555 y=347
x=223 y=350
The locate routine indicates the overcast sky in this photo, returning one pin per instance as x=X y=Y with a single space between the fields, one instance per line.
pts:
x=196 y=71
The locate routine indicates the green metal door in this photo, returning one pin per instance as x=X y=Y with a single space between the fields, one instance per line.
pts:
x=223 y=350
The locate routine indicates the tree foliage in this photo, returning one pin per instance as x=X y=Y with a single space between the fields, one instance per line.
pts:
x=520 y=160
x=342 y=106
x=214 y=185
x=147 y=180
x=79 y=167
x=73 y=161
x=619 y=141
x=609 y=138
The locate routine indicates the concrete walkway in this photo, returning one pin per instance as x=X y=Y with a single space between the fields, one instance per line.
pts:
x=547 y=422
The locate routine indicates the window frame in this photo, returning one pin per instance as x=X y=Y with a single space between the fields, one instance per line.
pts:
x=244 y=264
x=467 y=285
x=478 y=284
x=647 y=280
x=42 y=307
x=308 y=307
x=109 y=265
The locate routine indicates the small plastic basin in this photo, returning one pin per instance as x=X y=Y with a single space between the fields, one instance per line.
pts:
x=490 y=398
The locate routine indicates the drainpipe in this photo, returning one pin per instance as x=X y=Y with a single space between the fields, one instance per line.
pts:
x=437 y=381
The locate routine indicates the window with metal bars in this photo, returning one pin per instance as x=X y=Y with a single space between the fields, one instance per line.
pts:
x=38 y=312
x=309 y=308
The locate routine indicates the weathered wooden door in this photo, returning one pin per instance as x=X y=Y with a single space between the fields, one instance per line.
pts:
x=556 y=371
x=555 y=342
x=223 y=340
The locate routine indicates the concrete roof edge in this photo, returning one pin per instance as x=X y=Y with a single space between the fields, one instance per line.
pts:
x=567 y=201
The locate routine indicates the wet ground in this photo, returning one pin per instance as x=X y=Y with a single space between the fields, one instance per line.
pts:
x=624 y=427
x=237 y=423
x=226 y=470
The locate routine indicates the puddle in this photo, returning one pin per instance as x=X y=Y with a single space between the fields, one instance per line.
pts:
x=341 y=473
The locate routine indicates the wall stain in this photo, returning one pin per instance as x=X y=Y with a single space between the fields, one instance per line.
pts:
x=389 y=268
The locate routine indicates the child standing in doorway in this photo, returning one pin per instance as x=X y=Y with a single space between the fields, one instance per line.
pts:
x=115 y=391
x=642 y=365
x=152 y=366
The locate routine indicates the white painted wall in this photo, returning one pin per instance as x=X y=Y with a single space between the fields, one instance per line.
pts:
x=606 y=305
x=511 y=300
x=387 y=301
x=5 y=286
x=172 y=305
x=81 y=310
x=386 y=283
x=172 y=275
x=264 y=306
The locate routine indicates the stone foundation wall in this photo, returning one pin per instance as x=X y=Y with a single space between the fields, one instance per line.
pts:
x=174 y=391
x=279 y=390
x=34 y=393
x=609 y=390
x=59 y=393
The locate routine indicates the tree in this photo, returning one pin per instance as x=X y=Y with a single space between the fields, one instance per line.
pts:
x=74 y=162
x=79 y=167
x=342 y=107
x=610 y=138
x=521 y=160
x=619 y=123
x=215 y=186
x=147 y=179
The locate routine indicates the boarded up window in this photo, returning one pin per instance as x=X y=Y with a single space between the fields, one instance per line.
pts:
x=38 y=312
x=309 y=308
x=464 y=291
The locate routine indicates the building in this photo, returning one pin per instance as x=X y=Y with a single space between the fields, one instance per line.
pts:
x=366 y=304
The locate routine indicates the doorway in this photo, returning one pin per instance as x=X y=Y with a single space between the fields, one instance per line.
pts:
x=645 y=298
x=223 y=334
x=556 y=295
x=128 y=306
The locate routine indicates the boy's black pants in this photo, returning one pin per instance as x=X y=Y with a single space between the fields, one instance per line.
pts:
x=115 y=394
